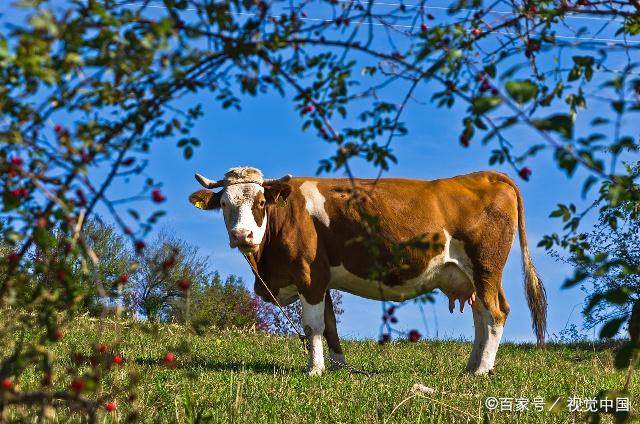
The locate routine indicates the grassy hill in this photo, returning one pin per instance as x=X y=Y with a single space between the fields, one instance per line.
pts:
x=251 y=377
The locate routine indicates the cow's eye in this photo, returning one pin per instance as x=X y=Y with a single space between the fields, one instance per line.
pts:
x=262 y=202
x=223 y=204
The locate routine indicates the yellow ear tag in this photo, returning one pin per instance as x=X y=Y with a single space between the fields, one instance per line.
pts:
x=199 y=204
x=281 y=202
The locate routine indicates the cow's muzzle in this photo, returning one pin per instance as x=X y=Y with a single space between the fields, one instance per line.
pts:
x=243 y=240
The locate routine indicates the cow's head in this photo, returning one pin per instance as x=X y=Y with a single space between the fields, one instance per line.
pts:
x=243 y=199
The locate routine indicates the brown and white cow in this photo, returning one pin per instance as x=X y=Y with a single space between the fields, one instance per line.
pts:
x=303 y=234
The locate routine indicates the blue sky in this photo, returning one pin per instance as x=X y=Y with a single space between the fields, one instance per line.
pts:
x=266 y=134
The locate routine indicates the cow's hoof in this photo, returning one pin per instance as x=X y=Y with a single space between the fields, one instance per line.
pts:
x=315 y=371
x=338 y=365
x=481 y=371
x=337 y=361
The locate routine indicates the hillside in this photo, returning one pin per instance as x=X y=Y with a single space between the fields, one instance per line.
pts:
x=248 y=377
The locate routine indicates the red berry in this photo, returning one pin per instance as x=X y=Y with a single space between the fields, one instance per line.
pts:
x=16 y=161
x=85 y=157
x=13 y=258
x=57 y=334
x=59 y=129
x=118 y=360
x=533 y=9
x=169 y=263
x=123 y=279
x=464 y=140
x=102 y=348
x=81 y=199
x=476 y=32
x=140 y=246
x=77 y=385
x=7 y=384
x=307 y=109
x=46 y=379
x=384 y=339
x=391 y=310
x=303 y=14
x=169 y=358
x=414 y=336
x=110 y=406
x=525 y=173
x=393 y=320
x=156 y=196
x=424 y=27
x=128 y=161
x=184 y=284
x=430 y=17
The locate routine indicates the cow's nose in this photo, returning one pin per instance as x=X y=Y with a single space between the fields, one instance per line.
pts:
x=242 y=236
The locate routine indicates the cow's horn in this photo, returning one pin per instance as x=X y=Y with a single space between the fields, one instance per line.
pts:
x=269 y=181
x=207 y=183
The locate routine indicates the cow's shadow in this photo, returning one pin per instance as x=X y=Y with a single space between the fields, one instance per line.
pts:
x=258 y=367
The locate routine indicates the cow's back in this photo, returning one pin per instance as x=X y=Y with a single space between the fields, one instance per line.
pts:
x=402 y=210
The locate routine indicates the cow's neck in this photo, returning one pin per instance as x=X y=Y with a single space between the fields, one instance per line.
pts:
x=274 y=222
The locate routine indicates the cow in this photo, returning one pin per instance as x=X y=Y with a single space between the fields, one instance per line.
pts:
x=307 y=236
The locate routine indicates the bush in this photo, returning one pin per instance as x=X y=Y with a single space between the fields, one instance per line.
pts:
x=218 y=304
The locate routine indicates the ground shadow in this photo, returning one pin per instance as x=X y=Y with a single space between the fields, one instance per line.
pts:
x=596 y=346
x=259 y=367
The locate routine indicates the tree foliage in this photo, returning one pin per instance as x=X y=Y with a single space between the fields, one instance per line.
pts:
x=609 y=249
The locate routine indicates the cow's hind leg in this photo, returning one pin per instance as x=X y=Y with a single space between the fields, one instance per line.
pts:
x=489 y=315
x=480 y=338
x=336 y=354
x=313 y=320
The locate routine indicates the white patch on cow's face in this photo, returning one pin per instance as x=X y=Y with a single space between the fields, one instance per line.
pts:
x=237 y=202
x=314 y=201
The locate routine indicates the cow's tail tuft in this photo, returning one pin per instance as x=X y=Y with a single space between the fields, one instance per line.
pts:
x=533 y=287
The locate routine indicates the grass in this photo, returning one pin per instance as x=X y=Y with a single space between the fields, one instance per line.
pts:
x=234 y=376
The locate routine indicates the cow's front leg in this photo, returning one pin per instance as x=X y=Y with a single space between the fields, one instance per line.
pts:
x=331 y=335
x=313 y=321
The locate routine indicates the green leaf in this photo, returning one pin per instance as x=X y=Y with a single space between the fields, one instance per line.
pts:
x=611 y=327
x=484 y=104
x=589 y=182
x=560 y=123
x=521 y=90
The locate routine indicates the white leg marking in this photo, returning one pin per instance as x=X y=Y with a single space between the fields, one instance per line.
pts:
x=314 y=201
x=491 y=341
x=313 y=320
x=479 y=341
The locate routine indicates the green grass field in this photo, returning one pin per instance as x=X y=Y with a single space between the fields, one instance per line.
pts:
x=234 y=376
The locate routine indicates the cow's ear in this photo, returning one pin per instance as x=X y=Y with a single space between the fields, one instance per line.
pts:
x=277 y=192
x=205 y=199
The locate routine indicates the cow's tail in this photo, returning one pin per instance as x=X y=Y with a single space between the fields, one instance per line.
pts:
x=533 y=287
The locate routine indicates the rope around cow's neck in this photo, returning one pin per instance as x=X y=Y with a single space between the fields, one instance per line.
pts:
x=302 y=337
